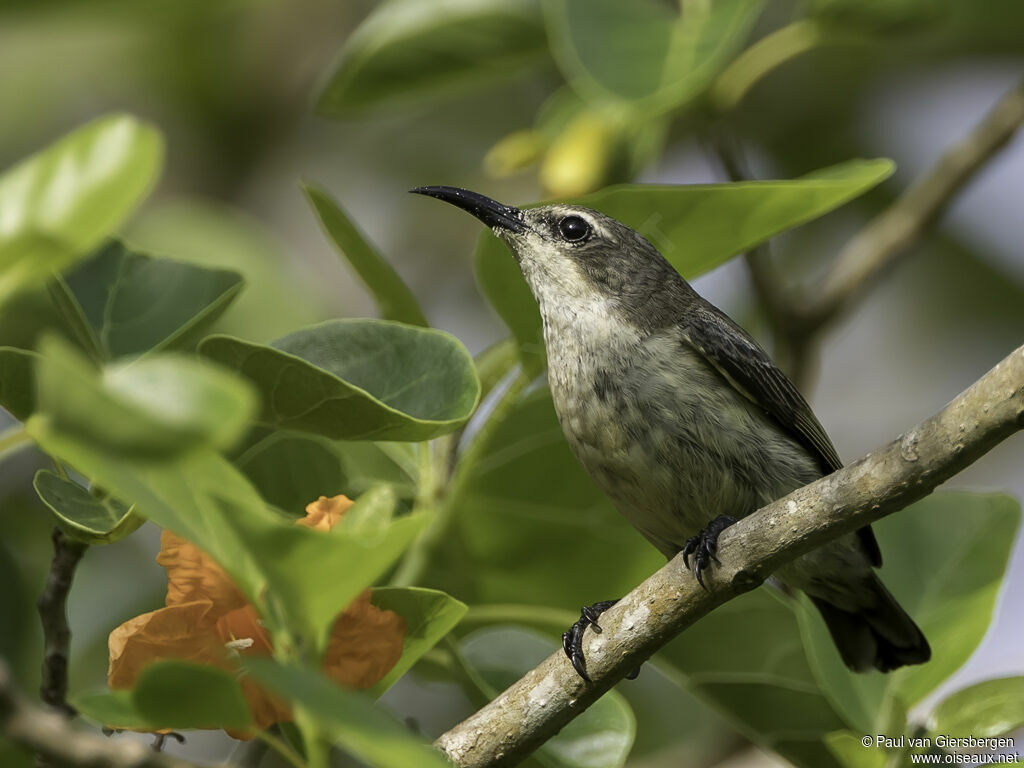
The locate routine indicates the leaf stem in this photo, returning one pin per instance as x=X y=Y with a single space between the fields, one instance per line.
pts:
x=762 y=57
x=13 y=439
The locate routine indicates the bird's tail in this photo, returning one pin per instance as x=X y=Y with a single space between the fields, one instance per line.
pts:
x=880 y=636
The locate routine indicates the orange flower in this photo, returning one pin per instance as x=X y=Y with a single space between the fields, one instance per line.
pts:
x=207 y=620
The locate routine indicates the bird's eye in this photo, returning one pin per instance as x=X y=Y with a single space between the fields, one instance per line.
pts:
x=574 y=228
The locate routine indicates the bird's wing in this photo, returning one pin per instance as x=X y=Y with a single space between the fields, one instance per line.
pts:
x=749 y=369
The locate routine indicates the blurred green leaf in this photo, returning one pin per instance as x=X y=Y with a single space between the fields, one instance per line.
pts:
x=81 y=515
x=394 y=299
x=351 y=719
x=180 y=695
x=879 y=16
x=18 y=381
x=115 y=709
x=313 y=575
x=850 y=751
x=127 y=303
x=429 y=615
x=601 y=737
x=157 y=405
x=171 y=694
x=418 y=49
x=290 y=470
x=61 y=202
x=645 y=53
x=197 y=495
x=759 y=679
x=987 y=709
x=358 y=379
x=371 y=513
x=944 y=561
x=696 y=227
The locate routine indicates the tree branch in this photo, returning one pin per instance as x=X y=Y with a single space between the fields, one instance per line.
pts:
x=53 y=612
x=51 y=735
x=536 y=707
x=866 y=256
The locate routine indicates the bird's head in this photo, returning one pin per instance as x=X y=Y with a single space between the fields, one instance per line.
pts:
x=569 y=252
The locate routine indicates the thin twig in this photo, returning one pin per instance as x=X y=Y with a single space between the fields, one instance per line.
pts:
x=54 y=737
x=536 y=707
x=876 y=247
x=53 y=612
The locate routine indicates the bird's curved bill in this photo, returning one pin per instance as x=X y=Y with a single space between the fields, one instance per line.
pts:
x=490 y=212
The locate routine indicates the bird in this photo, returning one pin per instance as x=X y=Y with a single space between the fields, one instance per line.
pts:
x=681 y=418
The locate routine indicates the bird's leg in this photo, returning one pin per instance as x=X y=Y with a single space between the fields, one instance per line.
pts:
x=704 y=546
x=572 y=641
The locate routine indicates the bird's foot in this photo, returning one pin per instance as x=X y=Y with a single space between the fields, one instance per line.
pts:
x=572 y=641
x=704 y=546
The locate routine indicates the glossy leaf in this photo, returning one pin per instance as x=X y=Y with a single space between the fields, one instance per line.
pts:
x=394 y=299
x=128 y=303
x=18 y=381
x=61 y=202
x=601 y=737
x=358 y=379
x=290 y=469
x=944 y=561
x=429 y=615
x=82 y=515
x=988 y=709
x=350 y=719
x=180 y=695
x=157 y=405
x=696 y=227
x=418 y=49
x=646 y=54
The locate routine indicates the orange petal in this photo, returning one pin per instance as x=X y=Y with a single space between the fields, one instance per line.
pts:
x=182 y=632
x=193 y=575
x=324 y=513
x=364 y=645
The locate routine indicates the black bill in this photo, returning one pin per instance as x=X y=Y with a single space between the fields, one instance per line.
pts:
x=490 y=212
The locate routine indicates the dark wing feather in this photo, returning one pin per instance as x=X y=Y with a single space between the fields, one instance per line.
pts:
x=748 y=368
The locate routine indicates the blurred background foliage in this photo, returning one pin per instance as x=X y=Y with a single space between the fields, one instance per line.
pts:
x=526 y=100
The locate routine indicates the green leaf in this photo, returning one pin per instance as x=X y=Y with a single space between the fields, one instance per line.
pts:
x=81 y=515
x=290 y=470
x=115 y=709
x=61 y=202
x=181 y=695
x=157 y=405
x=128 y=303
x=358 y=379
x=429 y=615
x=313 y=575
x=988 y=709
x=394 y=299
x=761 y=679
x=171 y=694
x=18 y=381
x=944 y=561
x=197 y=495
x=850 y=751
x=645 y=54
x=351 y=719
x=696 y=227
x=601 y=737
x=419 y=49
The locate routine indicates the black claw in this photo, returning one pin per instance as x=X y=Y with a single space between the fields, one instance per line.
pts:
x=704 y=547
x=572 y=641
